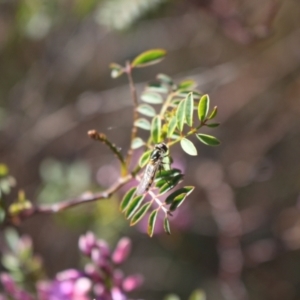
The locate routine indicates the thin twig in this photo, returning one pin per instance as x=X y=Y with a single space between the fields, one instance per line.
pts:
x=103 y=138
x=60 y=206
x=128 y=71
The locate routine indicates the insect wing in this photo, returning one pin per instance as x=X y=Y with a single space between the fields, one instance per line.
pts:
x=147 y=178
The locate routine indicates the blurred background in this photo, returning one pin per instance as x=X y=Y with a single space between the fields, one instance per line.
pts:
x=238 y=234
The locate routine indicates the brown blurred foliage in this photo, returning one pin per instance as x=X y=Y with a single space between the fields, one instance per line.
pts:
x=242 y=237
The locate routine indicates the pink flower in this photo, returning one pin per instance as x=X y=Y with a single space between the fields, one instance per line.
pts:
x=122 y=251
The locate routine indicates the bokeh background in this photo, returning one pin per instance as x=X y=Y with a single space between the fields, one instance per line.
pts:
x=238 y=234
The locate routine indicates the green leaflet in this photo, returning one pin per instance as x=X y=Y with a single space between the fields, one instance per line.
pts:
x=137 y=143
x=126 y=199
x=140 y=213
x=144 y=158
x=188 y=147
x=172 y=126
x=167 y=225
x=208 y=139
x=133 y=206
x=152 y=98
x=146 y=110
x=156 y=129
x=189 y=109
x=203 y=107
x=180 y=115
x=148 y=58
x=151 y=222
x=143 y=123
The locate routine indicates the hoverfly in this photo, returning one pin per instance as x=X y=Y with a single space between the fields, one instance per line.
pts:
x=154 y=164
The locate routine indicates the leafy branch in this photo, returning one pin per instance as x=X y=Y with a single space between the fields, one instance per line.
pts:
x=174 y=123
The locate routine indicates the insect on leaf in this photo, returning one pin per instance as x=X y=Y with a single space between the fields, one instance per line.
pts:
x=146 y=110
x=126 y=199
x=151 y=222
x=143 y=123
x=208 y=139
x=152 y=98
x=148 y=58
x=188 y=147
x=134 y=205
x=180 y=116
x=144 y=158
x=156 y=129
x=137 y=143
x=167 y=225
x=189 y=109
x=140 y=213
x=203 y=107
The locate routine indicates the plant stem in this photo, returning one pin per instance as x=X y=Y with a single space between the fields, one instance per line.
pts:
x=128 y=71
x=57 y=207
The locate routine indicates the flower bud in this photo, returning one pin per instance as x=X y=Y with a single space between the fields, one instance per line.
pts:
x=8 y=283
x=116 y=294
x=103 y=247
x=122 y=251
x=132 y=282
x=86 y=243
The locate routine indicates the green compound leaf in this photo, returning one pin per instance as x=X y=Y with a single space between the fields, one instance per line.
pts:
x=146 y=110
x=126 y=199
x=134 y=205
x=213 y=125
x=167 y=225
x=148 y=58
x=165 y=79
x=180 y=115
x=152 y=98
x=156 y=130
x=140 y=213
x=213 y=113
x=145 y=158
x=137 y=143
x=143 y=123
x=184 y=190
x=208 y=139
x=151 y=222
x=188 y=147
x=116 y=70
x=187 y=84
x=172 y=126
x=189 y=109
x=203 y=107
